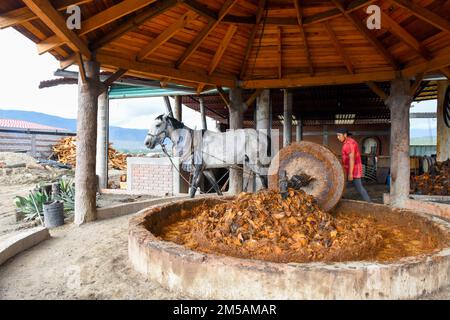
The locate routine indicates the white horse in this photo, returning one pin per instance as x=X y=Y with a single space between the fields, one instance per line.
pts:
x=203 y=150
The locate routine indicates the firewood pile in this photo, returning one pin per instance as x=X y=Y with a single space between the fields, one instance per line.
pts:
x=437 y=182
x=65 y=152
x=264 y=226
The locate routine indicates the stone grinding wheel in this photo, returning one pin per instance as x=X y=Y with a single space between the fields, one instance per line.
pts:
x=316 y=161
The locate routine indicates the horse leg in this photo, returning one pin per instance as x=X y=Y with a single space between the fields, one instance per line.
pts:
x=195 y=180
x=210 y=176
x=257 y=170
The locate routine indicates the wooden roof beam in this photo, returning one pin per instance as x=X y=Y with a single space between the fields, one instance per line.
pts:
x=377 y=90
x=253 y=97
x=223 y=95
x=222 y=48
x=53 y=19
x=205 y=32
x=298 y=11
x=159 y=71
x=200 y=9
x=24 y=14
x=416 y=84
x=359 y=25
x=251 y=38
x=446 y=72
x=424 y=14
x=440 y=61
x=114 y=77
x=404 y=35
x=340 y=50
x=152 y=11
x=97 y=21
x=165 y=35
x=280 y=53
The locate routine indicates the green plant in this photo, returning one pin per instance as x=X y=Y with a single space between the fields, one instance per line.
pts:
x=32 y=206
x=67 y=193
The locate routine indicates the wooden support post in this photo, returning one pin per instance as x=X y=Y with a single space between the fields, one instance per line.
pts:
x=299 y=131
x=102 y=139
x=262 y=120
x=236 y=122
x=178 y=109
x=287 y=124
x=85 y=178
x=399 y=103
x=443 y=132
x=203 y=113
x=168 y=106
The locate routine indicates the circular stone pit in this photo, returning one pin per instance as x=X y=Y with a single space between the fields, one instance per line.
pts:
x=211 y=276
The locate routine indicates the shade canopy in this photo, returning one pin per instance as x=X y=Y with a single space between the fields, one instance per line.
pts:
x=247 y=43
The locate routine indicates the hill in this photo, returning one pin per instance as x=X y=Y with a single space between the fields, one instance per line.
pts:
x=123 y=139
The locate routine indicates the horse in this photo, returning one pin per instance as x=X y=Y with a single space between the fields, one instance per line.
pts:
x=203 y=150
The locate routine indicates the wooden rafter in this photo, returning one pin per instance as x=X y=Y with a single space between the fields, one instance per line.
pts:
x=82 y=70
x=404 y=35
x=253 y=97
x=223 y=95
x=377 y=90
x=446 y=72
x=340 y=50
x=114 y=77
x=222 y=48
x=160 y=72
x=24 y=14
x=53 y=19
x=359 y=25
x=247 y=20
x=416 y=84
x=299 y=14
x=280 y=52
x=165 y=35
x=424 y=14
x=99 y=20
x=205 y=32
x=439 y=61
x=251 y=38
x=129 y=24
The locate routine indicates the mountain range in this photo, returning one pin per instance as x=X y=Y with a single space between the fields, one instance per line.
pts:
x=123 y=139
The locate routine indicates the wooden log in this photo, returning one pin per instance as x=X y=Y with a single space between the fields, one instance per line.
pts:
x=399 y=103
x=443 y=132
x=178 y=109
x=85 y=178
x=203 y=114
x=236 y=122
x=287 y=123
x=102 y=139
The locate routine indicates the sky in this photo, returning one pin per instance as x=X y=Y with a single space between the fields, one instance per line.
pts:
x=22 y=69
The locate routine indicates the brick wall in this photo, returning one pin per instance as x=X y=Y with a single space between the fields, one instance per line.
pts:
x=154 y=176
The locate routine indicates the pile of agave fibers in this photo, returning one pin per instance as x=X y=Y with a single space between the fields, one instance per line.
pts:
x=437 y=182
x=264 y=226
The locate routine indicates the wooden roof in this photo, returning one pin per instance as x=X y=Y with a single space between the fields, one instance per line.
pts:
x=319 y=105
x=247 y=43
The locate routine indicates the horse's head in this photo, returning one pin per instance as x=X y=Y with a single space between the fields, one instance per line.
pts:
x=157 y=132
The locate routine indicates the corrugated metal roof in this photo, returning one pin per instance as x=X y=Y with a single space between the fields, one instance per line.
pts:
x=20 y=124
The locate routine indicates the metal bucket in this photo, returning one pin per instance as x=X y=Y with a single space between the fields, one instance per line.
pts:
x=54 y=214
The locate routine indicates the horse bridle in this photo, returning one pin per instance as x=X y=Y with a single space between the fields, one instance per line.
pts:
x=159 y=134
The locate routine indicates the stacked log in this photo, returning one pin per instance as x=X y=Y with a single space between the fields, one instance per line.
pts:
x=65 y=152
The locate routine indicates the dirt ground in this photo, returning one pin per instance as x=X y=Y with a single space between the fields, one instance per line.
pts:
x=88 y=262
x=97 y=252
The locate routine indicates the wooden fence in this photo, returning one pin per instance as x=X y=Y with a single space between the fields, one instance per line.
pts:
x=37 y=143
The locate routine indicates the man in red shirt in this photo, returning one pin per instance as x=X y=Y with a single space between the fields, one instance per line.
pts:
x=351 y=159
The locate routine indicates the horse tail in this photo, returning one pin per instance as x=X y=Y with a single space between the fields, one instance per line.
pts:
x=269 y=144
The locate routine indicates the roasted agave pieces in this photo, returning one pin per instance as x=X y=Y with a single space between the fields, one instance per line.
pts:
x=264 y=226
x=435 y=183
